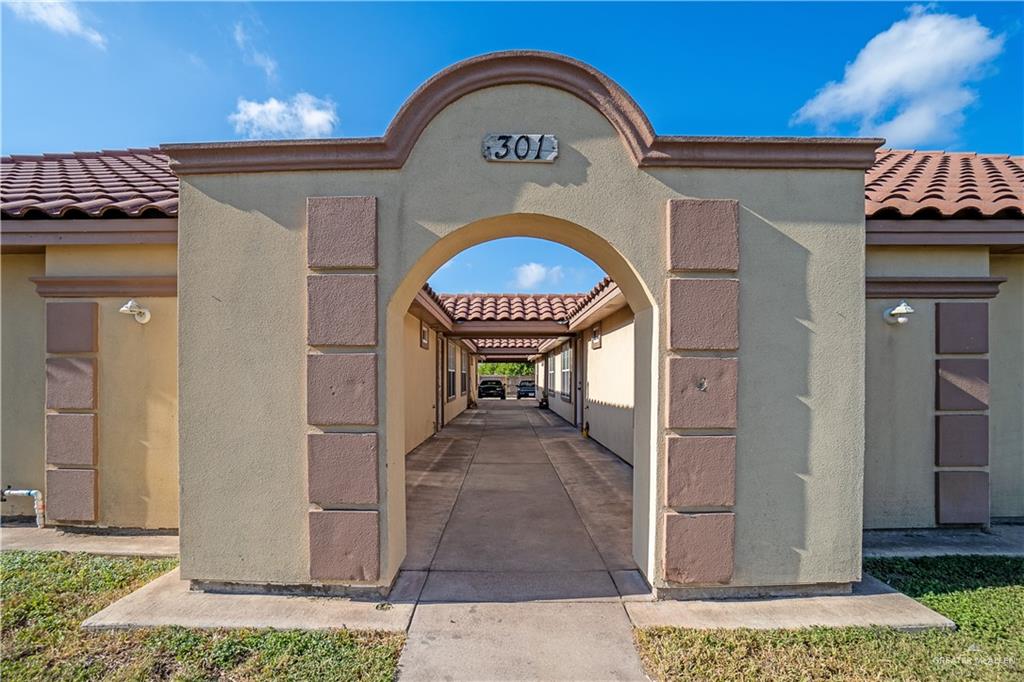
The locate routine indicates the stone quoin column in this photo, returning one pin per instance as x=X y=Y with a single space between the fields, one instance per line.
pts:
x=72 y=343
x=961 y=420
x=341 y=390
x=701 y=385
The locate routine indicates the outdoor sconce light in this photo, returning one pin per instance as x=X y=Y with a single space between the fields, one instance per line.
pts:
x=132 y=307
x=899 y=314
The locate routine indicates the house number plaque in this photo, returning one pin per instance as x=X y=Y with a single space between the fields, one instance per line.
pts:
x=525 y=147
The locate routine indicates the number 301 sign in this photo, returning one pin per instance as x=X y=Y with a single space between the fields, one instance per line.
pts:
x=520 y=147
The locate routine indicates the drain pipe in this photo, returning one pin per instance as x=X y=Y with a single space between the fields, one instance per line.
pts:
x=37 y=501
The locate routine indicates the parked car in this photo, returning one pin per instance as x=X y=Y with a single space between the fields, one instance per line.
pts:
x=491 y=388
x=526 y=389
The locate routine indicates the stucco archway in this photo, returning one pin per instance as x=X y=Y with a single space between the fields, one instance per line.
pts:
x=644 y=309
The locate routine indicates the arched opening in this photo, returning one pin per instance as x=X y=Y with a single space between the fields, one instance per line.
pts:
x=572 y=339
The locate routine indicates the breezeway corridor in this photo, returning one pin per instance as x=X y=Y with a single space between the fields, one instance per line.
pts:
x=523 y=530
x=510 y=503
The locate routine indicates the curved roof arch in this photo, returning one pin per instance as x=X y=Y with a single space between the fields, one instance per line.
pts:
x=581 y=80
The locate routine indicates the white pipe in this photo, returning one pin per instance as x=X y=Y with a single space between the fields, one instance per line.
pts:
x=37 y=502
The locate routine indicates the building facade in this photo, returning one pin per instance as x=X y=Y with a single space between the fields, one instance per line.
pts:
x=746 y=355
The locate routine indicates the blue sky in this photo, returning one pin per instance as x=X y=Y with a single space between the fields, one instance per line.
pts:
x=109 y=75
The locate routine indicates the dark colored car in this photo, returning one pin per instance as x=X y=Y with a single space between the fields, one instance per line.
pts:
x=491 y=388
x=526 y=389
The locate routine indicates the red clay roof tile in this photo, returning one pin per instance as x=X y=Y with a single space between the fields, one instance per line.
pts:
x=508 y=343
x=518 y=307
x=130 y=183
x=139 y=183
x=905 y=184
x=515 y=307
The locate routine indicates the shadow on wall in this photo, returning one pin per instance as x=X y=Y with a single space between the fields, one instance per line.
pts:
x=612 y=426
x=772 y=471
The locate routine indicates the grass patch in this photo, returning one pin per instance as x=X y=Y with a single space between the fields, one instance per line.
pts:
x=47 y=595
x=983 y=595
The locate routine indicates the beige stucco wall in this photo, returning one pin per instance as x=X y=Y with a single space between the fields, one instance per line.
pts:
x=1006 y=417
x=242 y=239
x=609 y=385
x=899 y=456
x=138 y=416
x=137 y=408
x=23 y=378
x=420 y=394
x=927 y=261
x=151 y=259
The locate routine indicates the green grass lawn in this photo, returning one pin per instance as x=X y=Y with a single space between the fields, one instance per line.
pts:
x=47 y=595
x=984 y=596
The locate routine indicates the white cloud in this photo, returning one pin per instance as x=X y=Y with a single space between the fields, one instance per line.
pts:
x=532 y=275
x=59 y=17
x=254 y=56
x=195 y=60
x=909 y=83
x=301 y=116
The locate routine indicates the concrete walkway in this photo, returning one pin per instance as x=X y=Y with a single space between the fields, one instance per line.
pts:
x=872 y=604
x=169 y=601
x=30 y=538
x=523 y=531
x=518 y=567
x=1001 y=539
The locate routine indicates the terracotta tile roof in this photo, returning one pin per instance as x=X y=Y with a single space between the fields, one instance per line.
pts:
x=598 y=289
x=519 y=307
x=139 y=183
x=944 y=185
x=508 y=344
x=135 y=183
x=515 y=307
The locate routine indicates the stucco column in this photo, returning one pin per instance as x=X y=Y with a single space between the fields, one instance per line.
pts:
x=341 y=384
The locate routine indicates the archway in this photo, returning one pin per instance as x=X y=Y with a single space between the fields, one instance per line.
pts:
x=645 y=316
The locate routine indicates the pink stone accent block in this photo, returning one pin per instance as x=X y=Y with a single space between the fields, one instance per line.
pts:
x=71 y=440
x=704 y=314
x=961 y=327
x=702 y=393
x=961 y=440
x=703 y=234
x=701 y=471
x=961 y=384
x=71 y=494
x=342 y=310
x=699 y=547
x=341 y=389
x=962 y=497
x=342 y=232
x=72 y=327
x=71 y=383
x=342 y=469
x=344 y=545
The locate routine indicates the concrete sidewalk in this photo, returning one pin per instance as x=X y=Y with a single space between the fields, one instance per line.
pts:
x=518 y=567
x=872 y=604
x=30 y=538
x=1001 y=539
x=168 y=601
x=523 y=530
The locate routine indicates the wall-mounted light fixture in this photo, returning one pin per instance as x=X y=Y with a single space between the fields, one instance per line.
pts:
x=132 y=307
x=898 y=314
